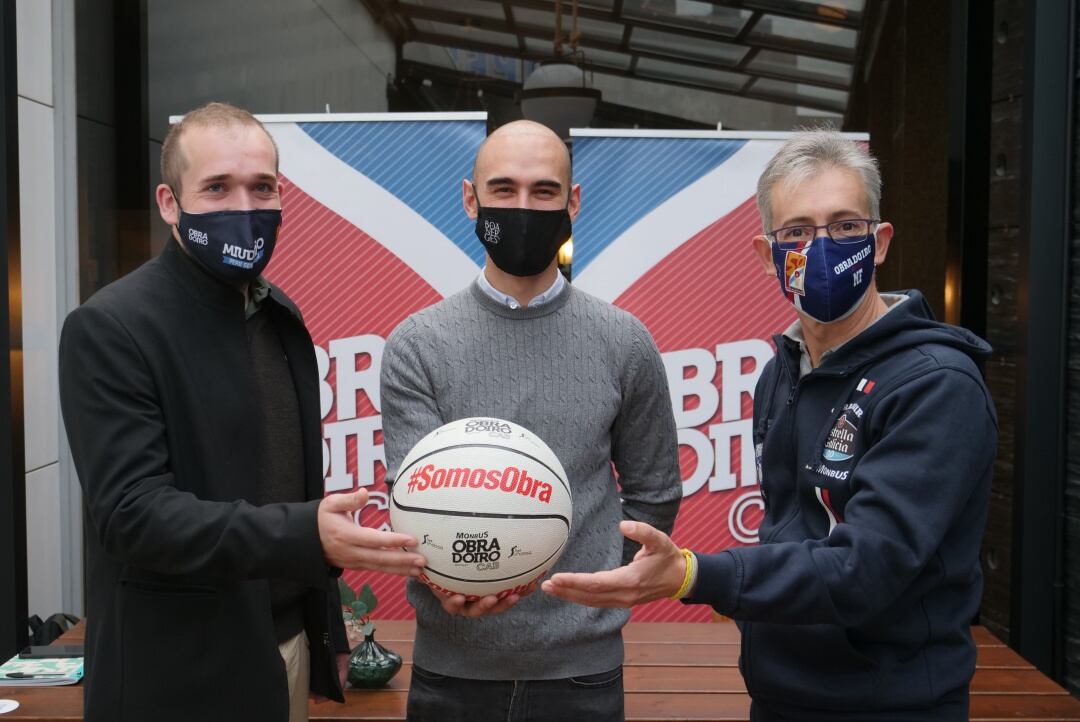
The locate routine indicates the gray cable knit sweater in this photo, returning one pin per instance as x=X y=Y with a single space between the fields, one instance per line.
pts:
x=586 y=378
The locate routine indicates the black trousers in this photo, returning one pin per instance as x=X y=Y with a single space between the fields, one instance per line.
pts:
x=439 y=698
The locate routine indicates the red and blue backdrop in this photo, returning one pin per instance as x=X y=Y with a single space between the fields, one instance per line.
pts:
x=374 y=231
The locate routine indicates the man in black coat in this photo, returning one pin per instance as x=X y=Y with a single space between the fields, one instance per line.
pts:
x=190 y=395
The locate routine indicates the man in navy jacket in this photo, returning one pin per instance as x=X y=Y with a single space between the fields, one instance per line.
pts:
x=875 y=438
x=190 y=395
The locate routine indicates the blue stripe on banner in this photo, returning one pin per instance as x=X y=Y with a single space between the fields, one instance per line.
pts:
x=420 y=162
x=623 y=179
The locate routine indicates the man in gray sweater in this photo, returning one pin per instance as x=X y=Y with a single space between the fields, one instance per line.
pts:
x=521 y=344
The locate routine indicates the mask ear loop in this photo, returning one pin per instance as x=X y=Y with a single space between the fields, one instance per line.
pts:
x=176 y=199
x=472 y=184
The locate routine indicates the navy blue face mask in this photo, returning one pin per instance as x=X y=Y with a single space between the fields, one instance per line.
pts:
x=233 y=246
x=827 y=280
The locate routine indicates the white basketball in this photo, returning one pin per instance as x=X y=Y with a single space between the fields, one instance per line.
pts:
x=489 y=504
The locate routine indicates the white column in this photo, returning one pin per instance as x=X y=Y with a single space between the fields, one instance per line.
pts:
x=49 y=245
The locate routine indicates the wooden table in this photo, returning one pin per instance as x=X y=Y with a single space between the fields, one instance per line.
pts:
x=672 y=672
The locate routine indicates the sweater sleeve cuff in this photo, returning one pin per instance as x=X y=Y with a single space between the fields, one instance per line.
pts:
x=719 y=577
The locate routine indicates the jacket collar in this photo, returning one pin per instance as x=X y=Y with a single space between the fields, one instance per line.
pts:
x=198 y=282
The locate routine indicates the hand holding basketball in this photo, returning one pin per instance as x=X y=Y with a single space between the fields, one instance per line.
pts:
x=459 y=605
x=656 y=572
x=348 y=545
x=491 y=507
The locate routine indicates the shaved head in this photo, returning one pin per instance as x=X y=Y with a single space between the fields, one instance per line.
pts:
x=511 y=139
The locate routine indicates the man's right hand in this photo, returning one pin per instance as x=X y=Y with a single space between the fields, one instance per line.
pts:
x=351 y=546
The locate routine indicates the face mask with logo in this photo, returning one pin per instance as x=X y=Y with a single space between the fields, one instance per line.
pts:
x=826 y=280
x=233 y=246
x=522 y=241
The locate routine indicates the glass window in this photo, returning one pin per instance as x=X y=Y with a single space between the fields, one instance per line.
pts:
x=664 y=70
x=689 y=13
x=801 y=66
x=676 y=45
x=816 y=96
x=606 y=58
x=465 y=32
x=538 y=19
x=771 y=26
x=590 y=28
x=469 y=61
x=831 y=9
x=481 y=9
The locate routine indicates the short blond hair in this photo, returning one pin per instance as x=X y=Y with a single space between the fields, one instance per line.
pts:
x=173 y=160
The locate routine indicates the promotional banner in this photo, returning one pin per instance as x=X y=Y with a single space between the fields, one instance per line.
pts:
x=374 y=230
x=665 y=232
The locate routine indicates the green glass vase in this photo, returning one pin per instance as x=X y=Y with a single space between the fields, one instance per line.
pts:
x=371 y=664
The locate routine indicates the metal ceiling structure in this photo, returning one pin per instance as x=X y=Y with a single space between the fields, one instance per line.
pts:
x=793 y=52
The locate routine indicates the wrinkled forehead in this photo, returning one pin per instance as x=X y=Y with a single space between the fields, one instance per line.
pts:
x=828 y=188
x=524 y=155
x=224 y=148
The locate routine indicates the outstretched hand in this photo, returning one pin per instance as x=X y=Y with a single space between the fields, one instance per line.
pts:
x=657 y=571
x=351 y=546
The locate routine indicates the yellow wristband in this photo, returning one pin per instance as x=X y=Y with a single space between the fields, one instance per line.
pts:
x=690 y=561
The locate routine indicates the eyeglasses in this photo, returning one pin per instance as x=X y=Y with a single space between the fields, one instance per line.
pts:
x=850 y=230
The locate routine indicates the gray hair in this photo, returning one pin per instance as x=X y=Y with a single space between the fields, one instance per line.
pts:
x=808 y=153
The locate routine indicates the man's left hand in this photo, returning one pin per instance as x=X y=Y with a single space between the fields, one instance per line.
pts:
x=657 y=571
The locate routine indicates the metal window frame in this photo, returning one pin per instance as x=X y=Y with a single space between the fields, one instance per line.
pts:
x=398 y=19
x=1037 y=621
x=13 y=605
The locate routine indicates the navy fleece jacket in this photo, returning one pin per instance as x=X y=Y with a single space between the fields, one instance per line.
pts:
x=875 y=469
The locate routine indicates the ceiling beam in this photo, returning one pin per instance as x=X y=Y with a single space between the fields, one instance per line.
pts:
x=524 y=30
x=785 y=99
x=823 y=51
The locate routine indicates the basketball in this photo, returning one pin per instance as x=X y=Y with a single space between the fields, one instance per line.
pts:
x=488 y=503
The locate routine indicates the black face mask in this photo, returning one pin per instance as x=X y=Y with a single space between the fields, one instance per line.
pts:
x=233 y=246
x=522 y=241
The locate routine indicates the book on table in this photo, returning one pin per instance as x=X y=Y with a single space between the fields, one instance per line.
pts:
x=41 y=672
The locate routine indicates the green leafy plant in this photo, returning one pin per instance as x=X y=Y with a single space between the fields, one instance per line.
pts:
x=357 y=608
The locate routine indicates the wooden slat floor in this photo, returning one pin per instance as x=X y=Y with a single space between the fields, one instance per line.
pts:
x=672 y=672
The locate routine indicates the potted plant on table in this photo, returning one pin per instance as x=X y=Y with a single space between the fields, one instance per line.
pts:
x=371 y=665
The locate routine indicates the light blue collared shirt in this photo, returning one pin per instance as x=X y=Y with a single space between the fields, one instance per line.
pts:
x=511 y=302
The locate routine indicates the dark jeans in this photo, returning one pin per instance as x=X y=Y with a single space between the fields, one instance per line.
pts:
x=953 y=709
x=591 y=698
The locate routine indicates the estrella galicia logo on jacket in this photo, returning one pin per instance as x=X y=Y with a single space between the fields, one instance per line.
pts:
x=795 y=272
x=241 y=257
x=492 y=230
x=480 y=549
x=840 y=446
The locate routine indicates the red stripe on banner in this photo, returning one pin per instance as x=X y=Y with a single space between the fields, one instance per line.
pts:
x=711 y=290
x=347 y=284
